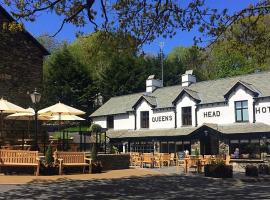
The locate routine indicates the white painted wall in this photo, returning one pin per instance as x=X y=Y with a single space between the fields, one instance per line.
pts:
x=262 y=110
x=162 y=119
x=240 y=94
x=124 y=121
x=143 y=106
x=185 y=101
x=102 y=121
x=226 y=111
x=209 y=114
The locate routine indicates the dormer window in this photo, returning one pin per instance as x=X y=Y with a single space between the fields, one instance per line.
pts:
x=241 y=111
x=110 y=122
x=186 y=116
x=144 y=119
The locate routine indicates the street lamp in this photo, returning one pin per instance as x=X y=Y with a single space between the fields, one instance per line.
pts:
x=35 y=97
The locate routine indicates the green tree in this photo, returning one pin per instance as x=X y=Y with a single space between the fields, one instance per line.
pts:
x=68 y=81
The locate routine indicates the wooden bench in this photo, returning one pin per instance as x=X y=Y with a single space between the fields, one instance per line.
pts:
x=72 y=159
x=14 y=158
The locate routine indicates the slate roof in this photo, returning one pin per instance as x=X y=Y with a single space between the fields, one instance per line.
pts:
x=150 y=99
x=225 y=129
x=207 y=91
x=150 y=132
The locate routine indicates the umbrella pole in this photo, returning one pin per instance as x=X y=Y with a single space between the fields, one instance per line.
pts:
x=23 y=140
x=1 y=123
x=59 y=123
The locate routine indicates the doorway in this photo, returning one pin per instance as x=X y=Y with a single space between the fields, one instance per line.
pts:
x=209 y=144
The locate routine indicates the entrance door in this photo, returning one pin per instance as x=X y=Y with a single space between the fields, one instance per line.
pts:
x=209 y=145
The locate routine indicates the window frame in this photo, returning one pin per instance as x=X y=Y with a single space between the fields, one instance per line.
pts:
x=242 y=108
x=109 y=123
x=185 y=114
x=144 y=120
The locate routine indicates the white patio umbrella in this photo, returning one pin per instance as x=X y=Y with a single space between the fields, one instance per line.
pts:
x=7 y=107
x=66 y=118
x=28 y=115
x=60 y=109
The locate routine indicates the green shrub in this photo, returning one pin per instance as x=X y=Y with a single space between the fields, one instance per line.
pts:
x=95 y=128
x=49 y=156
x=94 y=152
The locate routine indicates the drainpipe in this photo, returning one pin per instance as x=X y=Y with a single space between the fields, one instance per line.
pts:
x=135 y=116
x=254 y=113
x=196 y=118
x=175 y=118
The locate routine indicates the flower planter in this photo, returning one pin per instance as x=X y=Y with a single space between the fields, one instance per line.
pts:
x=49 y=170
x=264 y=169
x=252 y=171
x=96 y=167
x=218 y=171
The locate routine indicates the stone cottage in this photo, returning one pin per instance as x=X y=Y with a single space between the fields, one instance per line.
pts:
x=21 y=61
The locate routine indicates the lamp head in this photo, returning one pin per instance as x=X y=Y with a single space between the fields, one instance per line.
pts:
x=35 y=96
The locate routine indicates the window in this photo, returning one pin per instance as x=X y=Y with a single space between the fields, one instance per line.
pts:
x=186 y=116
x=110 y=122
x=144 y=119
x=241 y=111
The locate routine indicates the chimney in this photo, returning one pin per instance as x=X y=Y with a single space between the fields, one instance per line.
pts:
x=188 y=78
x=152 y=84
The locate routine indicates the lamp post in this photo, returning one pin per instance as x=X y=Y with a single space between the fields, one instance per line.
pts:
x=35 y=97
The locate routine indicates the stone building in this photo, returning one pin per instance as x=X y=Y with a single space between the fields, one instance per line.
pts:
x=21 y=61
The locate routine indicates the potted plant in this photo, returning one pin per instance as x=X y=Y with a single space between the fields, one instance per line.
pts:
x=96 y=165
x=48 y=166
x=252 y=170
x=218 y=169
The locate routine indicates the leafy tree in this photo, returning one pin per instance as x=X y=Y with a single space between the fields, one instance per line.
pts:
x=50 y=43
x=145 y=20
x=68 y=81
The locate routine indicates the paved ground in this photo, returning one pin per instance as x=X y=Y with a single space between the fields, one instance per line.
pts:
x=137 y=184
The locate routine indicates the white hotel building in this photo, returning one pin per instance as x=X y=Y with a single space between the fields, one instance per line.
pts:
x=212 y=116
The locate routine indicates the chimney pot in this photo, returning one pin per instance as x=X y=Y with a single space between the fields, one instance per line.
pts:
x=188 y=78
x=152 y=84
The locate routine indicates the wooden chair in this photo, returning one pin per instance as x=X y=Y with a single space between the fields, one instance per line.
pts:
x=227 y=160
x=165 y=158
x=136 y=159
x=180 y=161
x=195 y=163
x=72 y=159
x=157 y=160
x=148 y=158
x=173 y=159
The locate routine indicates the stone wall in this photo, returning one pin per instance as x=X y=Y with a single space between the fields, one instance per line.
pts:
x=114 y=161
x=21 y=60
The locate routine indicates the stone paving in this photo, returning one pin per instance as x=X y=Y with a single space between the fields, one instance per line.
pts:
x=162 y=183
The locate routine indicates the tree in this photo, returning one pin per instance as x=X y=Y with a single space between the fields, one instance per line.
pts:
x=67 y=80
x=50 y=43
x=145 y=20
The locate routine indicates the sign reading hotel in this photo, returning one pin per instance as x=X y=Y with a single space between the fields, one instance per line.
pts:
x=162 y=118
x=261 y=110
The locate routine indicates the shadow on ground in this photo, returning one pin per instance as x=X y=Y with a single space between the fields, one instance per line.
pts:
x=148 y=187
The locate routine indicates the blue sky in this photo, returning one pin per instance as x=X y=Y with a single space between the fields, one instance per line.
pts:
x=49 y=23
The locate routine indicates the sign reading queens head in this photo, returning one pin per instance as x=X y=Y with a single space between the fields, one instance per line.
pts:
x=162 y=118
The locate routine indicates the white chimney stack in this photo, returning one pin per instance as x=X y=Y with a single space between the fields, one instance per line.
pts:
x=188 y=78
x=152 y=84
